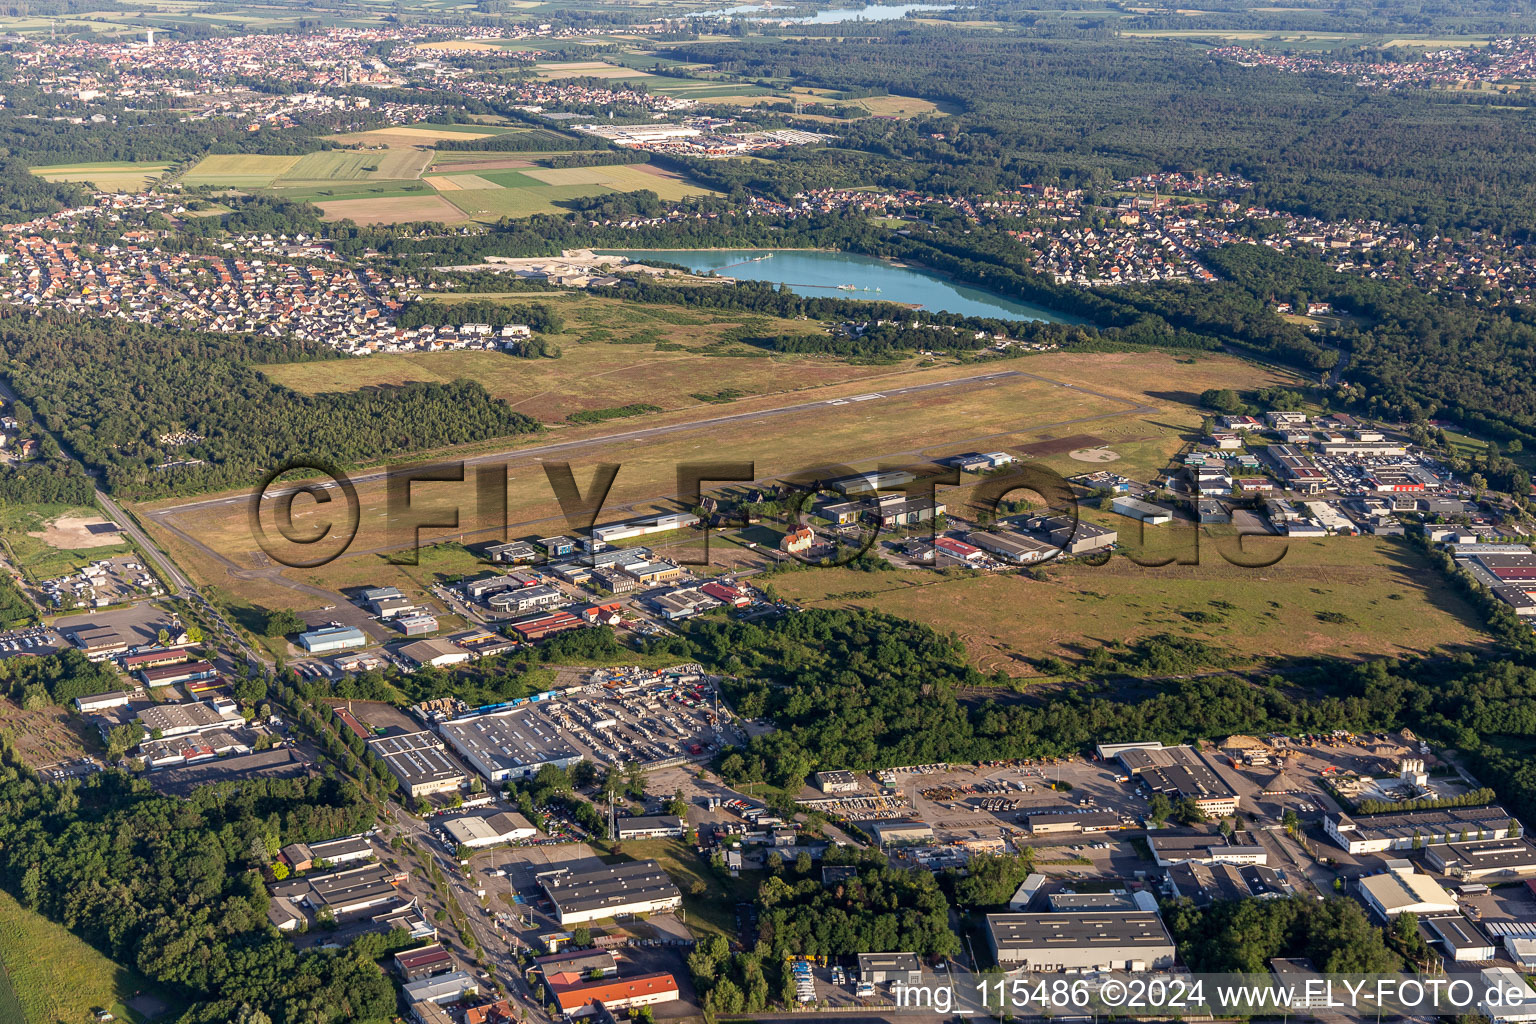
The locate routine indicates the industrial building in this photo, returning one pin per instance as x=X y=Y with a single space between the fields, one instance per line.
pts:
x=1069 y=535
x=565 y=968
x=442 y=989
x=98 y=643
x=423 y=962
x=1377 y=833
x=1205 y=883
x=1081 y=902
x=332 y=638
x=1180 y=773
x=541 y=626
x=1152 y=515
x=350 y=894
x=1044 y=823
x=103 y=701
x=1011 y=547
x=1095 y=941
x=511 y=744
x=886 y=968
x=527 y=599
x=656 y=826
x=515 y=553
x=155 y=658
x=434 y=653
x=612 y=890
x=346 y=850
x=1484 y=859
x=184 y=719
x=419 y=761
x=1199 y=846
x=1304 y=986
x=478 y=832
x=169 y=675
x=875 y=480
x=898 y=832
x=1460 y=939
x=1403 y=891
x=615 y=995
x=837 y=782
x=643 y=526
x=416 y=625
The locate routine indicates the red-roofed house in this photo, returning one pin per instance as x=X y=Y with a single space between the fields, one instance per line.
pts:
x=733 y=596
x=499 y=1012
x=645 y=990
x=958 y=549
x=798 y=540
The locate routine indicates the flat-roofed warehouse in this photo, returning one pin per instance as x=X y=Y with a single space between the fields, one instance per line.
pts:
x=476 y=832
x=1179 y=773
x=511 y=744
x=1102 y=940
x=634 y=887
x=419 y=761
x=1044 y=823
x=1377 y=833
x=1484 y=859
x=349 y=894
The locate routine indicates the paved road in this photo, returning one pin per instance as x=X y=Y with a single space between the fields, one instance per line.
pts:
x=496 y=944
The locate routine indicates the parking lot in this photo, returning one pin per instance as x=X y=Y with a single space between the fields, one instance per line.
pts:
x=964 y=797
x=141 y=623
x=75 y=768
x=33 y=640
x=640 y=720
x=107 y=581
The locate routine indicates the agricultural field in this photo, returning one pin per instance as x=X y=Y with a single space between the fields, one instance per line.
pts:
x=553 y=71
x=423 y=134
x=1396 y=604
x=489 y=188
x=241 y=170
x=48 y=975
x=353 y=165
x=402 y=209
x=113 y=176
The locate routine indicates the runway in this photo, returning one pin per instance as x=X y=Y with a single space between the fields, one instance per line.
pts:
x=536 y=452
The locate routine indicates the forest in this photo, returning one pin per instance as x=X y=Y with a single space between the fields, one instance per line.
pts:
x=111 y=390
x=1335 y=934
x=861 y=690
x=880 y=910
x=172 y=887
x=1077 y=111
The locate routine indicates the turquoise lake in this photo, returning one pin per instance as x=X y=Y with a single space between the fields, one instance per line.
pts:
x=843 y=275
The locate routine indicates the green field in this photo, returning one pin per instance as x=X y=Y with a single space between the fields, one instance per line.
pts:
x=35 y=556
x=352 y=165
x=352 y=190
x=495 y=203
x=53 y=976
x=711 y=912
x=520 y=192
